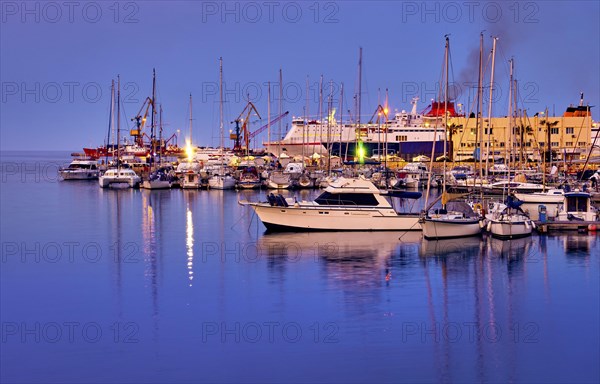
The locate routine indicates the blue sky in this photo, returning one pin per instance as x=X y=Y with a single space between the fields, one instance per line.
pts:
x=57 y=59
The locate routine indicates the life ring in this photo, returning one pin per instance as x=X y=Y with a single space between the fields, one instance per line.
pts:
x=478 y=207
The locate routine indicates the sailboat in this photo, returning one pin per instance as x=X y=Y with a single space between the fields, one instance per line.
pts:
x=510 y=221
x=443 y=223
x=221 y=179
x=278 y=179
x=120 y=173
x=189 y=171
x=158 y=178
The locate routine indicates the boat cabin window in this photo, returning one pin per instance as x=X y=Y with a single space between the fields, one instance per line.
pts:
x=327 y=198
x=577 y=204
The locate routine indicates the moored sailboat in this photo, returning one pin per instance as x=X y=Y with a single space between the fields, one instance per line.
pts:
x=221 y=179
x=443 y=223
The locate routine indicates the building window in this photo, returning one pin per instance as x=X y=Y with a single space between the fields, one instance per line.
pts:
x=554 y=131
x=570 y=130
x=554 y=144
x=569 y=144
x=502 y=145
x=491 y=131
x=541 y=143
x=581 y=143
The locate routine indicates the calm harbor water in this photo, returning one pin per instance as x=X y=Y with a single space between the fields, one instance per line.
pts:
x=184 y=286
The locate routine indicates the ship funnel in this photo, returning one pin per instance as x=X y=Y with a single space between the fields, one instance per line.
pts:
x=414 y=106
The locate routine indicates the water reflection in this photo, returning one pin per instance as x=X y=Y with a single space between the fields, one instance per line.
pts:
x=114 y=230
x=578 y=245
x=189 y=242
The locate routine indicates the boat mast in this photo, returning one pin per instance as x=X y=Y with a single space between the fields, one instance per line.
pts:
x=509 y=150
x=280 y=109
x=191 y=119
x=119 y=122
x=378 y=111
x=433 y=153
x=160 y=135
x=489 y=133
x=111 y=119
x=445 y=112
x=341 y=117
x=269 y=114
x=321 y=110
x=329 y=122
x=152 y=128
x=385 y=138
x=221 y=132
x=358 y=96
x=479 y=117
x=306 y=118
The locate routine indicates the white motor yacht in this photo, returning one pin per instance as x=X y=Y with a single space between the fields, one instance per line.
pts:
x=345 y=205
x=80 y=169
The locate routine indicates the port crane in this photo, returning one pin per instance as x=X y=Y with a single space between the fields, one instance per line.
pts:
x=247 y=111
x=140 y=122
x=248 y=136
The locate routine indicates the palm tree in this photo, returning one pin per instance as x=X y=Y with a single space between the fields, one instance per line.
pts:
x=549 y=153
x=452 y=130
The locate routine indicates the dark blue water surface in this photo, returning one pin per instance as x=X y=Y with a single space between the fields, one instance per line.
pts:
x=185 y=286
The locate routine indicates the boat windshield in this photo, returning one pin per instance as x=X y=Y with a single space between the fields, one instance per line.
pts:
x=577 y=204
x=82 y=166
x=327 y=198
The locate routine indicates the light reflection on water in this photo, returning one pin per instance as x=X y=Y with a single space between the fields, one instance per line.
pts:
x=372 y=306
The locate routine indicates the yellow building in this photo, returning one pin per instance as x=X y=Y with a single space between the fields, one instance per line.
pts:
x=570 y=136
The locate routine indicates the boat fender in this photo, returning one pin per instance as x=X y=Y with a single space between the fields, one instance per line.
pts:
x=532 y=225
x=527 y=224
x=489 y=226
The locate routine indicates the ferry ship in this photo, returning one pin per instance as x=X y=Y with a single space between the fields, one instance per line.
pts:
x=407 y=135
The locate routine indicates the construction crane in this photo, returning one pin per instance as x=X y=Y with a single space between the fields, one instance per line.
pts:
x=140 y=122
x=247 y=111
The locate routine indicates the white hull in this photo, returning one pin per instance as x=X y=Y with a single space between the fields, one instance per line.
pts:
x=190 y=180
x=570 y=217
x=305 y=182
x=540 y=198
x=106 y=182
x=249 y=184
x=445 y=229
x=156 y=184
x=532 y=209
x=273 y=185
x=295 y=149
x=510 y=229
x=219 y=182
x=334 y=219
x=79 y=175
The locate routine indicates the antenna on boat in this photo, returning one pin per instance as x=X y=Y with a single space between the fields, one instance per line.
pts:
x=280 y=108
x=119 y=122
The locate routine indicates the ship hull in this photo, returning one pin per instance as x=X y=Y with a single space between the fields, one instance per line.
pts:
x=407 y=150
x=299 y=219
